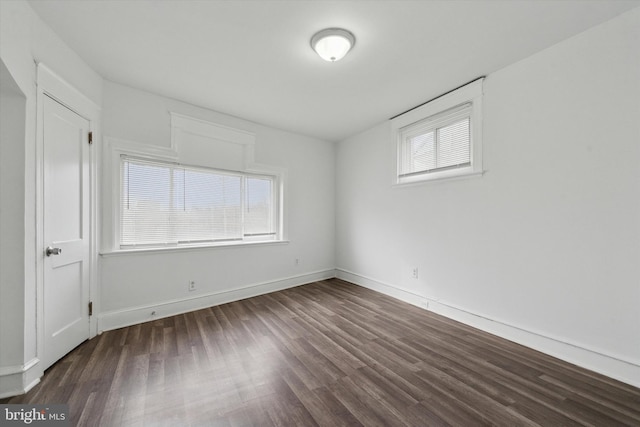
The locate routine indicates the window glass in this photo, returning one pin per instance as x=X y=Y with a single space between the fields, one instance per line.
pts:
x=168 y=204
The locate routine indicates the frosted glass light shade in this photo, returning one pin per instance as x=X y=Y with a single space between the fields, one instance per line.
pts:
x=332 y=44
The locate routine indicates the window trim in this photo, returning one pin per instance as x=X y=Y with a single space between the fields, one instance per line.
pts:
x=424 y=117
x=114 y=148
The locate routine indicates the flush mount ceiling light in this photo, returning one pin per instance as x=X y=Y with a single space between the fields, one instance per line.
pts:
x=332 y=44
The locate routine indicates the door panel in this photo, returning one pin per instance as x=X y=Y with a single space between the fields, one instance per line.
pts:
x=66 y=226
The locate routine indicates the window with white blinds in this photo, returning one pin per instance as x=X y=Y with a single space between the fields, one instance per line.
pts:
x=166 y=204
x=442 y=138
x=437 y=143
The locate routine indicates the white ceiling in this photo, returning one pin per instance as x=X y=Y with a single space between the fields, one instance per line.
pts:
x=252 y=59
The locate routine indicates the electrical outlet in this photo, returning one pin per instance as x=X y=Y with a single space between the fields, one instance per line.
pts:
x=192 y=285
x=297 y=261
x=414 y=273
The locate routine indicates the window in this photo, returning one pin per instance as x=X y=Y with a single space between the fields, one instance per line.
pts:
x=440 y=139
x=168 y=204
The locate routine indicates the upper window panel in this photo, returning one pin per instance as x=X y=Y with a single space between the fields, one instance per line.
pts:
x=440 y=139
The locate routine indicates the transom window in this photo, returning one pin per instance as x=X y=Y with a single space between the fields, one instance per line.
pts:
x=437 y=143
x=168 y=204
x=440 y=139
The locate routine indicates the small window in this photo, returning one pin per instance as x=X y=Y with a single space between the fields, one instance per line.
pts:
x=167 y=204
x=440 y=139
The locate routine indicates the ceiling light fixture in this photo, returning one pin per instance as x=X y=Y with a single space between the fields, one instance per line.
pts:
x=332 y=44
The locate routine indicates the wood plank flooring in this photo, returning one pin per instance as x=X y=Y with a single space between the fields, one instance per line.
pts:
x=329 y=353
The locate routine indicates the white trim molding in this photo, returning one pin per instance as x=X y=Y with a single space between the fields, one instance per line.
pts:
x=627 y=371
x=131 y=316
x=19 y=379
x=224 y=138
x=208 y=129
x=383 y=288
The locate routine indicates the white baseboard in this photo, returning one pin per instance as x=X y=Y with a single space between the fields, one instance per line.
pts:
x=19 y=379
x=609 y=365
x=130 y=316
x=384 y=288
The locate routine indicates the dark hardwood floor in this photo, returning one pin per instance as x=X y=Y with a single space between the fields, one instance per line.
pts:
x=329 y=353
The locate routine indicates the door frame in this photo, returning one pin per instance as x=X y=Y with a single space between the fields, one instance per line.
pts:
x=49 y=84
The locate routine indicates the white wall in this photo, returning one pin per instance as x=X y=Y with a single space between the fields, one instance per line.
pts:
x=134 y=285
x=24 y=40
x=547 y=243
x=12 y=128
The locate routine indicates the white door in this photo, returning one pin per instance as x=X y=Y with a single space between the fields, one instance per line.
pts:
x=66 y=230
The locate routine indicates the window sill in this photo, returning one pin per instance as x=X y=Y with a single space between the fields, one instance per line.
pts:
x=422 y=179
x=119 y=252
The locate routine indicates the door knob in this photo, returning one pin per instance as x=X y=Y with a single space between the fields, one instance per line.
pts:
x=53 y=251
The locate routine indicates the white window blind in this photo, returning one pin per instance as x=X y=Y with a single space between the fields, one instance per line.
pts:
x=437 y=143
x=165 y=204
